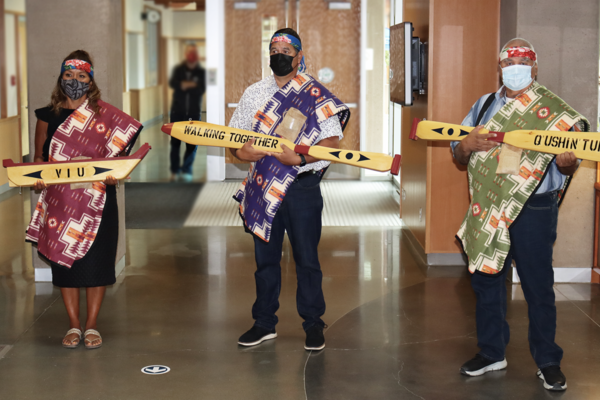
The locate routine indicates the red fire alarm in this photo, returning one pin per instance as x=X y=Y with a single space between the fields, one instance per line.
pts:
x=13 y=80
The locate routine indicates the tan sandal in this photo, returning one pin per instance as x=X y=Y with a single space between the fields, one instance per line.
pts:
x=74 y=342
x=88 y=342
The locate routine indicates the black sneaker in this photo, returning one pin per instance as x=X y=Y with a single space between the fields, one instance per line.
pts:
x=480 y=365
x=256 y=335
x=553 y=378
x=314 y=338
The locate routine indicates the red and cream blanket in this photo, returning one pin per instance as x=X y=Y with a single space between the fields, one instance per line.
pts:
x=65 y=221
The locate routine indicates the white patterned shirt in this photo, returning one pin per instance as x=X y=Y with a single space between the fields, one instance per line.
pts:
x=257 y=95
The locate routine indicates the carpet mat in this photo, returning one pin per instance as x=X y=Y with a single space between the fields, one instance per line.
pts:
x=159 y=205
x=346 y=203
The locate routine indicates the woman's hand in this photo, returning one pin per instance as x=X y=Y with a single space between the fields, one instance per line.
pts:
x=39 y=185
x=288 y=157
x=110 y=180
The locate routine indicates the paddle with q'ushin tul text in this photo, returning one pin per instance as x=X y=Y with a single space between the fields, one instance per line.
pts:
x=585 y=145
x=205 y=134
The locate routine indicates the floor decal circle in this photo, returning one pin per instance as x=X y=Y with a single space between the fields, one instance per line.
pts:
x=155 y=369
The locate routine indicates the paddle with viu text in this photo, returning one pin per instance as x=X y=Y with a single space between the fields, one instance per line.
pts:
x=585 y=145
x=73 y=171
x=206 y=134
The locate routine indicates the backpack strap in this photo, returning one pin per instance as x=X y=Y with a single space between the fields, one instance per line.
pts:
x=488 y=102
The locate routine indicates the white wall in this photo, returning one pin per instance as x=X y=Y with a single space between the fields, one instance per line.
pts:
x=134 y=54
x=167 y=22
x=17 y=6
x=12 y=106
x=189 y=24
x=215 y=89
x=133 y=19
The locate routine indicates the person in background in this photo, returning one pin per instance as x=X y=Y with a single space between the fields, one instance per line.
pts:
x=188 y=84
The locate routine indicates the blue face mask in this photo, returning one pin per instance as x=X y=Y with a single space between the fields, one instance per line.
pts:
x=517 y=77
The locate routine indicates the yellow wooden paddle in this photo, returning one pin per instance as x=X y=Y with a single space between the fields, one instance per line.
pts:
x=73 y=171
x=205 y=134
x=585 y=145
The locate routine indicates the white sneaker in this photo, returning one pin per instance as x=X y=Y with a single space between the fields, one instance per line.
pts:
x=187 y=178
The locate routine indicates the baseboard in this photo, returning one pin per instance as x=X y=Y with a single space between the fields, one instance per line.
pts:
x=446 y=259
x=561 y=275
x=120 y=266
x=43 y=275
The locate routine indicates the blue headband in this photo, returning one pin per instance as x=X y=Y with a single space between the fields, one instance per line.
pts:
x=294 y=41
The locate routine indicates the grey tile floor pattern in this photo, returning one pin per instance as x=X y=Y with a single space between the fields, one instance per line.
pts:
x=345 y=203
x=396 y=329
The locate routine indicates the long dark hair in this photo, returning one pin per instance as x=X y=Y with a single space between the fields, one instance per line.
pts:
x=58 y=98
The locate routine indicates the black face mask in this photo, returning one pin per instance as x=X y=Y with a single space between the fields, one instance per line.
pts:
x=74 y=89
x=281 y=64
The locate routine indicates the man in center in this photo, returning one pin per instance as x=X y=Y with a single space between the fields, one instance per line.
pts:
x=281 y=193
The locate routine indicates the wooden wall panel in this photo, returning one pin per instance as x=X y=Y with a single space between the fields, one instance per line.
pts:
x=243 y=50
x=463 y=38
x=464 y=46
x=331 y=38
x=10 y=143
x=414 y=154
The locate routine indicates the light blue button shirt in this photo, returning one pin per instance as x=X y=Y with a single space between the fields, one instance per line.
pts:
x=554 y=180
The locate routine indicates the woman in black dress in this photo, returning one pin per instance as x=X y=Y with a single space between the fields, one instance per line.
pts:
x=96 y=269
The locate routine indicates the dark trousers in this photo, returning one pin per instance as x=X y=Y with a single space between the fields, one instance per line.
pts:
x=190 y=149
x=300 y=216
x=532 y=237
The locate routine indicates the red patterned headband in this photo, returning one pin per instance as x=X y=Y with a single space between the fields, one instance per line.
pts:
x=510 y=52
x=77 y=64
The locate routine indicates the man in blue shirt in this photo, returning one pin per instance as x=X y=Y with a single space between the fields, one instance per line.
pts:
x=531 y=236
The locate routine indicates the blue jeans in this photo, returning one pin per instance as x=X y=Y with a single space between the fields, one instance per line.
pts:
x=190 y=149
x=532 y=236
x=299 y=215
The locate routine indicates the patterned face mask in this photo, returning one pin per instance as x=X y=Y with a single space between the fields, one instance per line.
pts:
x=74 y=89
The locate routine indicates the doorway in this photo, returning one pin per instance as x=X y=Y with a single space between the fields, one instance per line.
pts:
x=331 y=40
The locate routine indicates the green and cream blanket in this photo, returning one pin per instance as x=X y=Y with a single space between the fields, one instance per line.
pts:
x=497 y=199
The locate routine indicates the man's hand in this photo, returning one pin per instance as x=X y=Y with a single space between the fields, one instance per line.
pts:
x=474 y=141
x=567 y=163
x=185 y=85
x=250 y=154
x=288 y=157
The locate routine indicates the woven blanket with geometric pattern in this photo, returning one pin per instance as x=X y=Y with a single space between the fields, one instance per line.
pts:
x=497 y=199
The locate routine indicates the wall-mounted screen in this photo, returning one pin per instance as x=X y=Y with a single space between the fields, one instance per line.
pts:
x=408 y=64
x=400 y=67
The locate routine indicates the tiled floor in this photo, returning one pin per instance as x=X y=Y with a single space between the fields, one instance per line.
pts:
x=396 y=330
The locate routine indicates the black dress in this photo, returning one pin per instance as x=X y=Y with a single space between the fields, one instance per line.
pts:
x=97 y=267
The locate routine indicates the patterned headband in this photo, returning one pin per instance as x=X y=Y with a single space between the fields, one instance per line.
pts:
x=516 y=51
x=294 y=41
x=77 y=64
